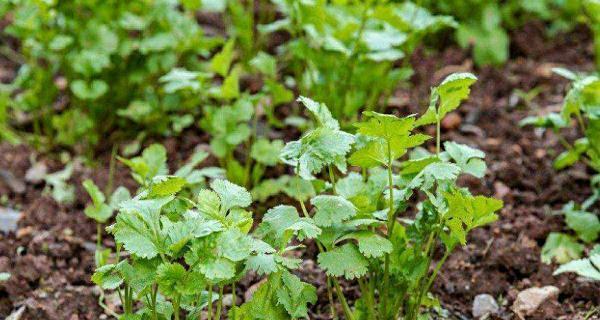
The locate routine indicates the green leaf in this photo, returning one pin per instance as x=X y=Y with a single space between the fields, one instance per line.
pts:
x=466 y=212
x=169 y=276
x=230 y=89
x=107 y=277
x=265 y=63
x=385 y=126
x=344 y=261
x=561 y=247
x=450 y=93
x=234 y=245
x=294 y=295
x=94 y=192
x=589 y=268
x=266 y=152
x=221 y=62
x=316 y=150
x=153 y=162
x=262 y=263
x=470 y=160
x=331 y=210
x=231 y=195
x=89 y=91
x=585 y=224
x=281 y=222
x=370 y=244
x=320 y=112
x=453 y=90
x=163 y=186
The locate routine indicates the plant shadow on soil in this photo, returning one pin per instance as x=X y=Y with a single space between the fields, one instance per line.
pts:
x=51 y=255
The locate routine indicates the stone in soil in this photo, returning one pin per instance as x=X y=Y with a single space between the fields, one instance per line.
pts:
x=529 y=300
x=9 y=219
x=484 y=304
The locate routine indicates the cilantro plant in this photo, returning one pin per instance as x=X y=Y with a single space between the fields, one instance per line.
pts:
x=231 y=116
x=343 y=53
x=88 y=67
x=367 y=234
x=592 y=13
x=186 y=245
x=484 y=24
x=581 y=108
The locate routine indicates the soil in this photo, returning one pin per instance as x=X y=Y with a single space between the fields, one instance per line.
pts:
x=51 y=254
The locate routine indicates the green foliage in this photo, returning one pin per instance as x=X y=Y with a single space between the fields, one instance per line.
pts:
x=361 y=236
x=103 y=58
x=484 y=25
x=182 y=242
x=581 y=103
x=343 y=53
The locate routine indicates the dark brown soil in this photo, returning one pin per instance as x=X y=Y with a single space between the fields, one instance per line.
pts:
x=51 y=256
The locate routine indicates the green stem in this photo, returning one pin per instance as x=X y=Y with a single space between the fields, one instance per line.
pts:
x=234 y=302
x=154 y=293
x=437 y=137
x=176 y=307
x=368 y=297
x=390 y=228
x=98 y=236
x=210 y=302
x=332 y=177
x=219 y=304
x=330 y=297
x=342 y=298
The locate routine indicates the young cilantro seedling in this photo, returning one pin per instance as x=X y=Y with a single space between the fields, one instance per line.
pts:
x=581 y=104
x=361 y=237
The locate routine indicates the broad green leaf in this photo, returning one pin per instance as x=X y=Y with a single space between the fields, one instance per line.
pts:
x=107 y=277
x=331 y=210
x=346 y=261
x=94 y=192
x=163 y=186
x=470 y=160
x=562 y=248
x=231 y=195
x=221 y=62
x=317 y=149
x=262 y=263
x=370 y=244
x=453 y=90
x=320 y=112
x=230 y=89
x=385 y=126
x=585 y=224
x=169 y=277
x=234 y=245
x=467 y=212
x=450 y=93
x=295 y=295
x=589 y=268
x=266 y=152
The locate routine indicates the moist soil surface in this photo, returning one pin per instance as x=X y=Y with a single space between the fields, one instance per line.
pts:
x=51 y=254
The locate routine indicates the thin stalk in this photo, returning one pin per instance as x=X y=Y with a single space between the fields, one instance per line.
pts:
x=332 y=177
x=390 y=226
x=342 y=298
x=219 y=304
x=210 y=302
x=98 y=235
x=176 y=307
x=111 y=171
x=234 y=302
x=154 y=293
x=437 y=137
x=330 y=297
x=369 y=298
